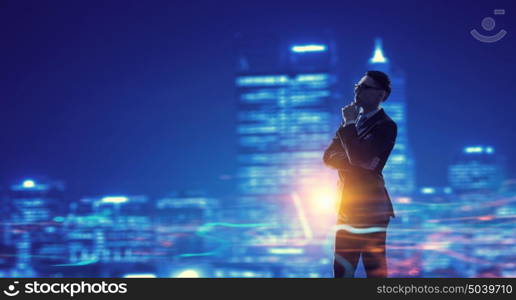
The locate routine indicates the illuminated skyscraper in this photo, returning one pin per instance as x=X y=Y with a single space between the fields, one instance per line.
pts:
x=476 y=169
x=399 y=172
x=37 y=209
x=285 y=92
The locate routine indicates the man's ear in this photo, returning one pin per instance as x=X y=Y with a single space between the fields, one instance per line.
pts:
x=382 y=96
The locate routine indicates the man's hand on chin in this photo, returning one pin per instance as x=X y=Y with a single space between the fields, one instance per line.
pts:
x=350 y=113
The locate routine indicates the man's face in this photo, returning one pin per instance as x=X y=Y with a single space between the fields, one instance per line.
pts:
x=368 y=93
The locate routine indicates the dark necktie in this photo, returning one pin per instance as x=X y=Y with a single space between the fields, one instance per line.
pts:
x=360 y=123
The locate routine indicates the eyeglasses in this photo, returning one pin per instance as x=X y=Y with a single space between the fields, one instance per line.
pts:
x=364 y=86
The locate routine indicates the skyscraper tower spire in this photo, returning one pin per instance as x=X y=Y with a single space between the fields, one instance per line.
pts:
x=378 y=57
x=399 y=171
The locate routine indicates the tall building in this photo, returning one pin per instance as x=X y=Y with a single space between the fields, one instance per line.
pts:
x=36 y=208
x=476 y=169
x=399 y=172
x=112 y=232
x=125 y=234
x=285 y=91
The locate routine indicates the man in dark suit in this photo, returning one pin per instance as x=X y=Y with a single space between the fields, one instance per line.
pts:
x=359 y=151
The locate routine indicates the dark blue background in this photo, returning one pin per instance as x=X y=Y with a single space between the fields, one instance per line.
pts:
x=138 y=96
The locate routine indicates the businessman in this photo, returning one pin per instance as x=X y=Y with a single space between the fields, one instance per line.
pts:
x=358 y=152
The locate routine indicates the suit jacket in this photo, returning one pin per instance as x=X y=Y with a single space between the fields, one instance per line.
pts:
x=359 y=160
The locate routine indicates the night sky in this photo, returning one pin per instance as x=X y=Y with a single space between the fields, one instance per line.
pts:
x=139 y=97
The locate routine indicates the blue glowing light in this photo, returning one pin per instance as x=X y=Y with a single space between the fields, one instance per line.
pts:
x=378 y=56
x=355 y=230
x=59 y=219
x=262 y=80
x=114 y=199
x=311 y=77
x=286 y=250
x=29 y=184
x=80 y=263
x=479 y=149
x=141 y=275
x=427 y=190
x=308 y=48
x=188 y=274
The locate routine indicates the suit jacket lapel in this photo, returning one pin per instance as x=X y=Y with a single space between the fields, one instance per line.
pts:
x=371 y=122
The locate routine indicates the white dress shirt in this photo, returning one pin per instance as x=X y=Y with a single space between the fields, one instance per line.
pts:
x=362 y=115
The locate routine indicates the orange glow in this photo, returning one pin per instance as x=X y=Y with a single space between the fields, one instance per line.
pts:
x=323 y=199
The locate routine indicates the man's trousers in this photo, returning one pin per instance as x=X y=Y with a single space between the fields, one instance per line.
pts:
x=366 y=241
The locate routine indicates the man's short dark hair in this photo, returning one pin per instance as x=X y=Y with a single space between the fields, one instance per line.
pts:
x=382 y=80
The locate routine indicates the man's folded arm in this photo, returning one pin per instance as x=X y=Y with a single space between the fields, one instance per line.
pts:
x=366 y=152
x=335 y=156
